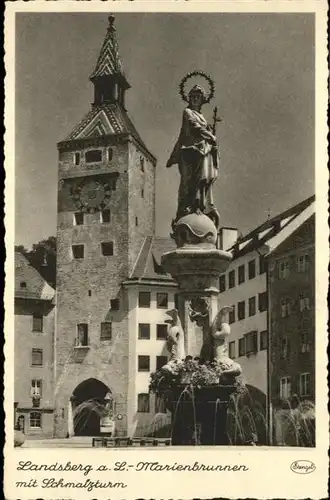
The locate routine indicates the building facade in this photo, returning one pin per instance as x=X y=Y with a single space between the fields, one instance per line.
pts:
x=109 y=305
x=34 y=354
x=292 y=326
x=245 y=287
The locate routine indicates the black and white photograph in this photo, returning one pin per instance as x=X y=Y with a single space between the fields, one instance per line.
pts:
x=167 y=216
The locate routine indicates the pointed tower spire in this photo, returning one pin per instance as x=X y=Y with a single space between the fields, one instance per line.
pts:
x=108 y=76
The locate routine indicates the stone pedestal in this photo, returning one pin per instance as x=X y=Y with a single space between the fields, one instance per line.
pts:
x=198 y=414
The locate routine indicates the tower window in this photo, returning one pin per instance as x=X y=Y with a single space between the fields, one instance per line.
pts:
x=37 y=356
x=93 y=156
x=144 y=299
x=144 y=331
x=141 y=163
x=162 y=300
x=105 y=216
x=144 y=363
x=110 y=154
x=77 y=158
x=82 y=335
x=78 y=219
x=161 y=332
x=107 y=248
x=78 y=251
x=143 y=403
x=106 y=330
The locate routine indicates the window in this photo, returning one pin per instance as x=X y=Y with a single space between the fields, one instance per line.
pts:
x=162 y=300
x=35 y=419
x=36 y=388
x=285 y=348
x=82 y=335
x=37 y=356
x=89 y=293
x=107 y=248
x=241 y=274
x=106 y=330
x=144 y=299
x=22 y=284
x=231 y=279
x=141 y=163
x=143 y=403
x=113 y=184
x=302 y=263
x=232 y=349
x=142 y=193
x=222 y=283
x=161 y=332
x=143 y=363
x=304 y=384
x=262 y=264
x=285 y=387
x=283 y=269
x=241 y=347
x=176 y=301
x=114 y=304
x=37 y=323
x=78 y=251
x=78 y=218
x=263 y=301
x=304 y=342
x=252 y=306
x=263 y=340
x=105 y=216
x=251 y=342
x=36 y=402
x=76 y=158
x=252 y=269
x=144 y=331
x=241 y=310
x=136 y=221
x=304 y=302
x=160 y=361
x=110 y=154
x=93 y=156
x=285 y=308
x=232 y=315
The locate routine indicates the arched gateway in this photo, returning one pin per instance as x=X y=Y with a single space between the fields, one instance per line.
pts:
x=88 y=403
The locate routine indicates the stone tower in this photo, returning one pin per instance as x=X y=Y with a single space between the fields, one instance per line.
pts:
x=106 y=208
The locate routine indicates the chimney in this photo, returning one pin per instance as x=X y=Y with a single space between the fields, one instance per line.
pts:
x=227 y=237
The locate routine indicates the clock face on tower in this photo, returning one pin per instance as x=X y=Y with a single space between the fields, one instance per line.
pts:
x=91 y=196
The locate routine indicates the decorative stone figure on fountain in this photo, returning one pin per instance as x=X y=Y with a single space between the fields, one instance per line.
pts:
x=196 y=154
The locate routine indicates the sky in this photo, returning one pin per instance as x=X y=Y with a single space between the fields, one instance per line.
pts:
x=263 y=69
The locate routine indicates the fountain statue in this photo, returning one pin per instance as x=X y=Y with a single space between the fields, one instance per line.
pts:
x=200 y=384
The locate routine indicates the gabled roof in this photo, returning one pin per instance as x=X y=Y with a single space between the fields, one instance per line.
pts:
x=274 y=229
x=148 y=265
x=29 y=284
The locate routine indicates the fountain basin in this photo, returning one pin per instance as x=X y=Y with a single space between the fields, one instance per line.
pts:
x=199 y=414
